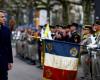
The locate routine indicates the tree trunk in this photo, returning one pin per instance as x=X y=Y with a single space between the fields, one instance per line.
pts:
x=48 y=10
x=65 y=13
x=87 y=11
x=1 y=4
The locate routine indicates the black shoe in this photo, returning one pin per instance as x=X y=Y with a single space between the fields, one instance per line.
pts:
x=81 y=78
x=33 y=62
x=39 y=66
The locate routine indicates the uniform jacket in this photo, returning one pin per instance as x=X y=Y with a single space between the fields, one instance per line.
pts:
x=75 y=38
x=86 y=42
x=5 y=47
x=98 y=40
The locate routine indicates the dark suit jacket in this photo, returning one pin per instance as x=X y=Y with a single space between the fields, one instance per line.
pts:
x=5 y=47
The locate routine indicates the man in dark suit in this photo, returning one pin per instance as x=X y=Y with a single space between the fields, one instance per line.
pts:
x=6 y=58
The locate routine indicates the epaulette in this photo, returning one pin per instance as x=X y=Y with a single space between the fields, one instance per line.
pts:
x=84 y=37
x=97 y=33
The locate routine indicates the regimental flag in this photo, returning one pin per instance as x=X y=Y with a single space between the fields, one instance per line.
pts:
x=60 y=61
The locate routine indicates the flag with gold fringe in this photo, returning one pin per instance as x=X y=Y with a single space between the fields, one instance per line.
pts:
x=60 y=61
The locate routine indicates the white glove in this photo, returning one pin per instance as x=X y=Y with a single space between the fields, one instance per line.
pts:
x=91 y=46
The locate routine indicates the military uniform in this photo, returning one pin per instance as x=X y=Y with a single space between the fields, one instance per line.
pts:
x=85 y=56
x=75 y=37
x=96 y=57
x=94 y=49
x=98 y=39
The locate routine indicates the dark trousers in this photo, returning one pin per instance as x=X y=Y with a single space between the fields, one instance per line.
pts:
x=3 y=74
x=39 y=52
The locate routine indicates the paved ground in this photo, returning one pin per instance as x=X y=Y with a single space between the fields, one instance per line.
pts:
x=23 y=71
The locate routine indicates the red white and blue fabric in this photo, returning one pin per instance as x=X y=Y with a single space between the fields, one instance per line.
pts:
x=61 y=60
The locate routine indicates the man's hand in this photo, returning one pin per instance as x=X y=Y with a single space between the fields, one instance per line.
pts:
x=92 y=46
x=10 y=65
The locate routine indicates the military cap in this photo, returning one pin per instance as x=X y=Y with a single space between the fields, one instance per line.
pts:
x=97 y=22
x=88 y=27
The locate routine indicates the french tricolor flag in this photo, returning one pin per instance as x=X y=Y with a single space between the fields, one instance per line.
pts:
x=60 y=61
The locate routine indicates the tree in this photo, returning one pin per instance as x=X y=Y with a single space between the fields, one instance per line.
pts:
x=65 y=11
x=49 y=5
x=87 y=11
x=1 y=4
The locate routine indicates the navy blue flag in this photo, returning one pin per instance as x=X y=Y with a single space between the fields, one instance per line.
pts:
x=62 y=48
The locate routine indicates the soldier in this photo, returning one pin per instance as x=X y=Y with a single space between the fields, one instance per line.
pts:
x=96 y=51
x=85 y=60
x=75 y=37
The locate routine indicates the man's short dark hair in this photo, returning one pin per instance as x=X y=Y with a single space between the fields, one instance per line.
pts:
x=97 y=22
x=68 y=26
x=74 y=24
x=3 y=11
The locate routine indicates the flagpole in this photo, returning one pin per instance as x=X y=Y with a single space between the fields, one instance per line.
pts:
x=43 y=52
x=42 y=56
